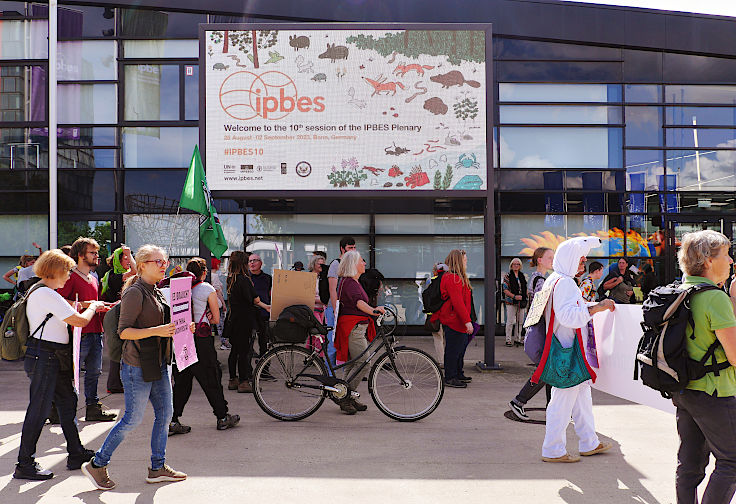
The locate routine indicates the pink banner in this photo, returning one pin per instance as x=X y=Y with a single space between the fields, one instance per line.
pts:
x=181 y=316
x=76 y=344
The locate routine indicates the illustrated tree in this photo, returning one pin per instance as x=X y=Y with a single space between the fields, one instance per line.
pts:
x=248 y=42
x=458 y=46
x=466 y=109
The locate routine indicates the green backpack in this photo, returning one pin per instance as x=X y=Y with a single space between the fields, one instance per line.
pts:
x=113 y=343
x=15 y=330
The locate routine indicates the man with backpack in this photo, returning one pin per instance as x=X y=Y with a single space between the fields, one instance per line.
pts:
x=706 y=406
x=347 y=243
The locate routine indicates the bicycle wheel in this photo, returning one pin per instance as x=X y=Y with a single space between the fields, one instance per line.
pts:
x=414 y=400
x=280 y=387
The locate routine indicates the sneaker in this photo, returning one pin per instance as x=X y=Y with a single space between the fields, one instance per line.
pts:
x=602 y=447
x=346 y=406
x=518 y=411
x=177 y=428
x=359 y=406
x=228 y=421
x=465 y=379
x=508 y=343
x=33 y=472
x=224 y=347
x=455 y=383
x=74 y=462
x=164 y=474
x=565 y=459
x=95 y=413
x=232 y=384
x=98 y=476
x=245 y=388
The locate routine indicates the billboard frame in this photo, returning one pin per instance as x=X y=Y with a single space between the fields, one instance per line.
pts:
x=487 y=194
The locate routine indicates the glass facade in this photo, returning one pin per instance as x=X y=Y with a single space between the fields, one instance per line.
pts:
x=635 y=146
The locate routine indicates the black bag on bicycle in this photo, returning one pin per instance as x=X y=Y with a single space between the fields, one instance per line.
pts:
x=295 y=324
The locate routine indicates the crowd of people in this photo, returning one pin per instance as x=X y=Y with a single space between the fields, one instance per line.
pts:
x=62 y=291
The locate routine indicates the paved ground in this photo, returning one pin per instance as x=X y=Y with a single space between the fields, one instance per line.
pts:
x=467 y=451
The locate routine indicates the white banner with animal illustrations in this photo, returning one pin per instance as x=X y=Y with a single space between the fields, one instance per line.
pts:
x=345 y=109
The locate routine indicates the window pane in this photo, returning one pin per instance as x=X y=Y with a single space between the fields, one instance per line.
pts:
x=23 y=149
x=700 y=94
x=151 y=92
x=644 y=170
x=298 y=248
x=232 y=228
x=90 y=21
x=70 y=230
x=87 y=103
x=308 y=224
x=149 y=147
x=26 y=179
x=528 y=49
x=521 y=234
x=153 y=24
x=707 y=202
x=701 y=170
x=702 y=116
x=413 y=257
x=86 y=191
x=24 y=39
x=429 y=224
x=638 y=93
x=695 y=137
x=559 y=92
x=691 y=68
x=161 y=48
x=22 y=93
x=560 y=147
x=163 y=230
x=87 y=158
x=642 y=66
x=644 y=126
x=82 y=137
x=549 y=114
x=155 y=191
x=87 y=60
x=20 y=231
x=8 y=9
x=191 y=92
x=585 y=71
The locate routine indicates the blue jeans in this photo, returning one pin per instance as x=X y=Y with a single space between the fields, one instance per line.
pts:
x=90 y=357
x=330 y=321
x=137 y=394
x=47 y=384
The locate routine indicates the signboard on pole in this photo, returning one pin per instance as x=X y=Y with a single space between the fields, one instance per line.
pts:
x=344 y=109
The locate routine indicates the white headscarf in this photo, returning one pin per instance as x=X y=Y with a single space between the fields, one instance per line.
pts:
x=569 y=252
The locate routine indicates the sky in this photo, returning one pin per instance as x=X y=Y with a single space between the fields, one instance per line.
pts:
x=719 y=7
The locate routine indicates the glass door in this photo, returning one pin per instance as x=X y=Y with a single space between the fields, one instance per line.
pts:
x=677 y=229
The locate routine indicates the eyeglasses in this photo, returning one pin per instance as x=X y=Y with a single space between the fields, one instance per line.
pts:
x=254 y=260
x=159 y=262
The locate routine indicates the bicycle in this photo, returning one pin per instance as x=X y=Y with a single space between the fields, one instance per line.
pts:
x=291 y=382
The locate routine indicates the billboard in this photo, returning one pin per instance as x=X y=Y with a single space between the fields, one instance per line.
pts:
x=344 y=109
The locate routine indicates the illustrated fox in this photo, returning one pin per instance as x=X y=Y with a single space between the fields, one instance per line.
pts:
x=402 y=70
x=379 y=85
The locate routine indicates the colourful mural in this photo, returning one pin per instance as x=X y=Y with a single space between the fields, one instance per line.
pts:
x=613 y=243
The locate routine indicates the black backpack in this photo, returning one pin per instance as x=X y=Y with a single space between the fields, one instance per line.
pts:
x=295 y=323
x=432 y=295
x=661 y=357
x=324 y=283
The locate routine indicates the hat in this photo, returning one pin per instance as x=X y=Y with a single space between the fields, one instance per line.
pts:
x=298 y=266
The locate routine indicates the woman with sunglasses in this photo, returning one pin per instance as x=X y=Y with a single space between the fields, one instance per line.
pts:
x=146 y=332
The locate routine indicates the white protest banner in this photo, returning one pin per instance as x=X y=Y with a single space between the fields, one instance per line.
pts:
x=181 y=316
x=76 y=348
x=617 y=335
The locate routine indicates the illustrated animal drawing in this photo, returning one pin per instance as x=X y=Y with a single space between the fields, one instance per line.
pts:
x=453 y=78
x=396 y=151
x=379 y=85
x=402 y=70
x=436 y=106
x=359 y=104
x=301 y=42
x=334 y=52
x=303 y=65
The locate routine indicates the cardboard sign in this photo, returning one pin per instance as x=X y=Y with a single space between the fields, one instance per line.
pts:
x=181 y=316
x=292 y=288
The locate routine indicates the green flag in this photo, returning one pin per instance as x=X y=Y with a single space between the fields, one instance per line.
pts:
x=196 y=196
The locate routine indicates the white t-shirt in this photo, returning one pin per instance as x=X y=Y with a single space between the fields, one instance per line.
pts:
x=41 y=302
x=25 y=274
x=200 y=293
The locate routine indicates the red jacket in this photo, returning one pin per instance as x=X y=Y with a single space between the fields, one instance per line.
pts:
x=455 y=313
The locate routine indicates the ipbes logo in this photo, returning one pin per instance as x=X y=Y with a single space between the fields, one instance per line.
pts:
x=271 y=95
